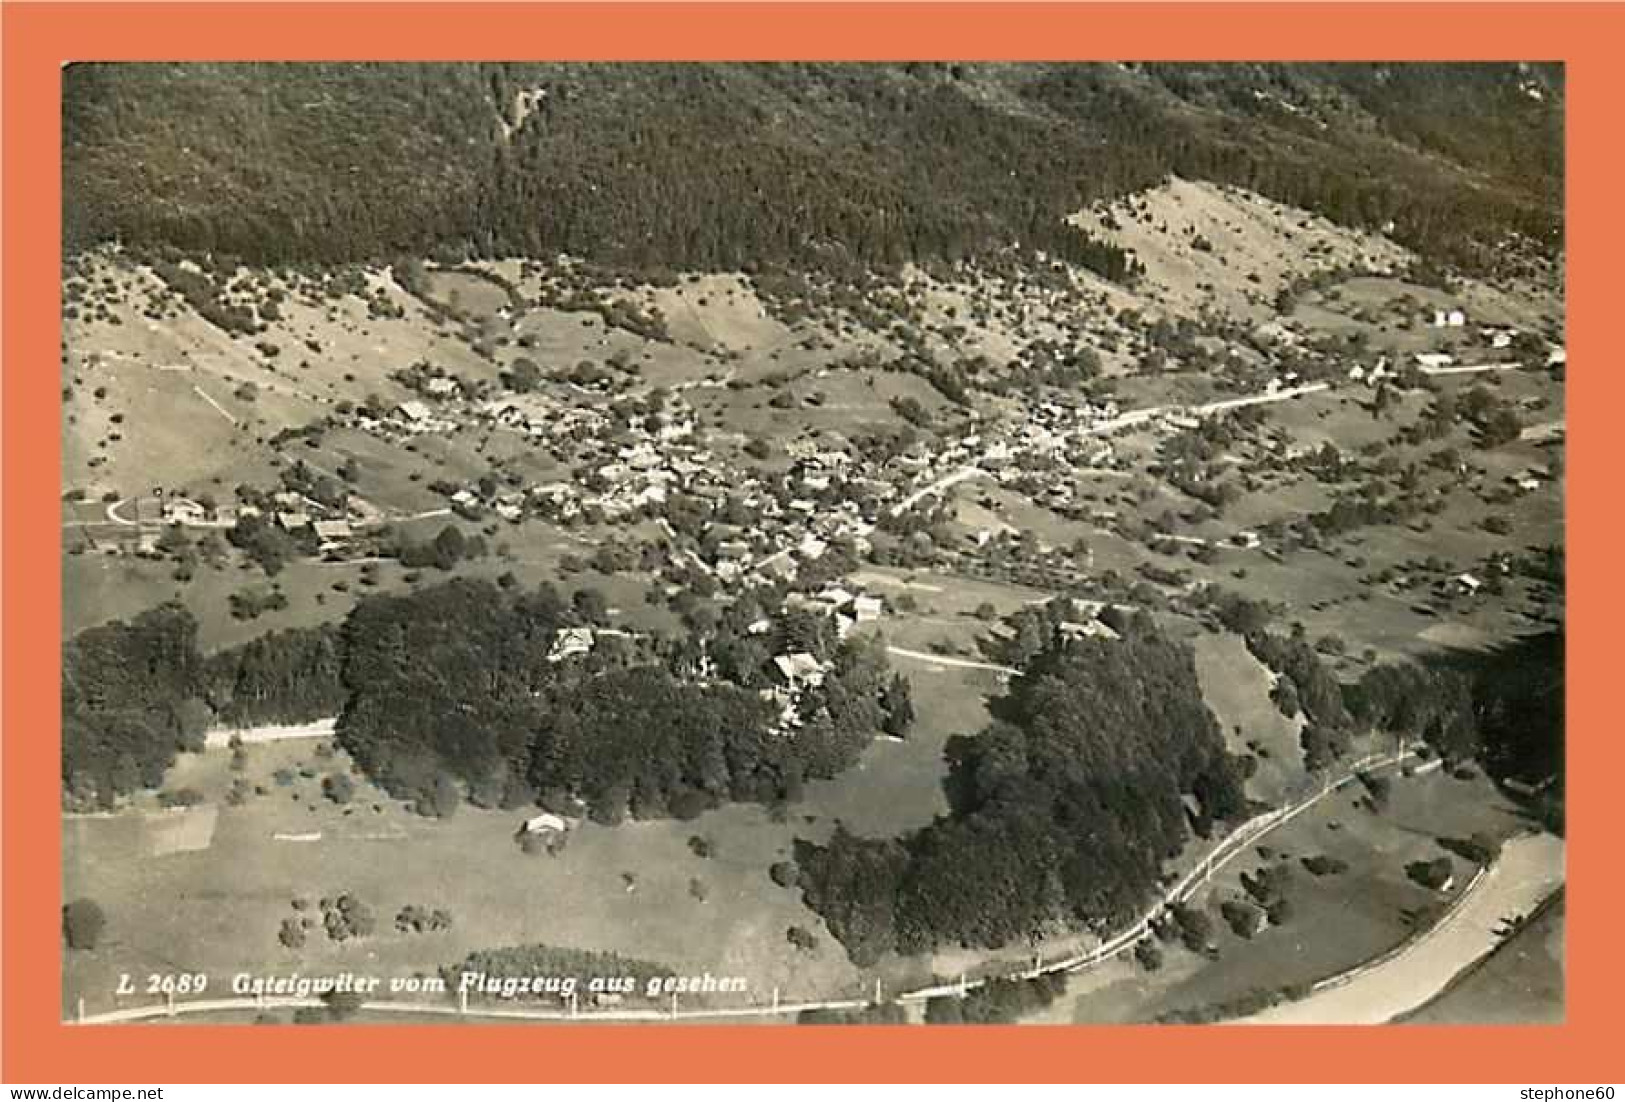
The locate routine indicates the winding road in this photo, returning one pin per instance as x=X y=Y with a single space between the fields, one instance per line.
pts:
x=1122 y=420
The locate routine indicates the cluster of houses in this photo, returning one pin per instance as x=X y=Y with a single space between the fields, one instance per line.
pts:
x=848 y=609
x=333 y=527
x=289 y=510
x=795 y=671
x=1373 y=376
x=830 y=494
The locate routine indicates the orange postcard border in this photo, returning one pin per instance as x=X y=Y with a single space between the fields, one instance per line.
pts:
x=38 y=37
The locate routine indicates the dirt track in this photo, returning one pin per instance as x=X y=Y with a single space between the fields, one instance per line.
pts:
x=220 y=737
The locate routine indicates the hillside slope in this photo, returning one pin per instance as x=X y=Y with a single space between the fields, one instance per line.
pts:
x=714 y=166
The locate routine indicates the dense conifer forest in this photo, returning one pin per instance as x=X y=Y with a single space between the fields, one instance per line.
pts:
x=1101 y=761
x=449 y=690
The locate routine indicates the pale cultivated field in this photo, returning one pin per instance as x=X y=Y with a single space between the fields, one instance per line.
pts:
x=217 y=910
x=1257 y=246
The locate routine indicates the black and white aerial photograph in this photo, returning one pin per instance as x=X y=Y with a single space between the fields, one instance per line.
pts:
x=1040 y=543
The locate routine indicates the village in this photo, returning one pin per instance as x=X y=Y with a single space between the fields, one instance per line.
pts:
x=639 y=469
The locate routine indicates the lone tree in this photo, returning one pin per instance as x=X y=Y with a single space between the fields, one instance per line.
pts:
x=338 y=787
x=801 y=938
x=524 y=376
x=83 y=923
x=897 y=707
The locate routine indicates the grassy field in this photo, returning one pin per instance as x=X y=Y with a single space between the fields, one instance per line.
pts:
x=1237 y=689
x=466 y=293
x=216 y=907
x=217 y=910
x=897 y=786
x=97 y=588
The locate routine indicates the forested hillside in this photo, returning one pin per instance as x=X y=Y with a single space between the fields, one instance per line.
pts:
x=448 y=691
x=1520 y=700
x=713 y=166
x=451 y=686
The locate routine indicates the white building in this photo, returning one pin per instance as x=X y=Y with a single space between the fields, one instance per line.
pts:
x=414 y=411
x=865 y=609
x=569 y=642
x=546 y=823
x=180 y=510
x=835 y=597
x=799 y=669
x=332 y=533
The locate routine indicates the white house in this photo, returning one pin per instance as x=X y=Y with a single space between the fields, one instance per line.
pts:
x=414 y=411
x=1088 y=629
x=180 y=510
x=835 y=597
x=332 y=532
x=799 y=669
x=1449 y=319
x=865 y=608
x=569 y=642
x=441 y=386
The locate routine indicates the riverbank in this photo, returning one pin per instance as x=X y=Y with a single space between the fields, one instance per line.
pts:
x=1528 y=871
x=1521 y=983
